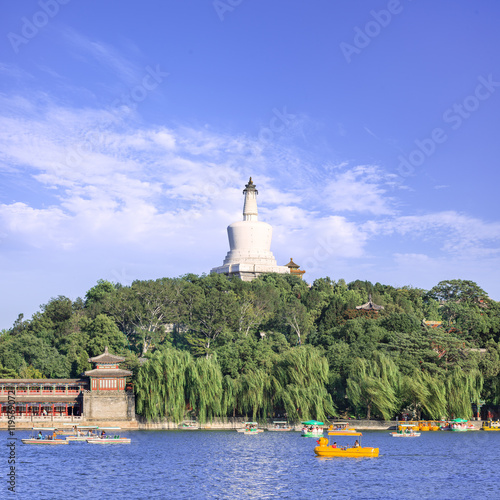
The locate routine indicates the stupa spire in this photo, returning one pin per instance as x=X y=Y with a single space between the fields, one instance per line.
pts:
x=250 y=205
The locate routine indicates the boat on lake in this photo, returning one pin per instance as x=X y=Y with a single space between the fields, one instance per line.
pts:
x=250 y=429
x=280 y=426
x=49 y=439
x=491 y=426
x=189 y=425
x=79 y=439
x=405 y=430
x=341 y=429
x=458 y=425
x=324 y=449
x=109 y=440
x=312 y=428
x=44 y=441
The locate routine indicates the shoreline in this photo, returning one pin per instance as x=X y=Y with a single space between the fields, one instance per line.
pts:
x=215 y=425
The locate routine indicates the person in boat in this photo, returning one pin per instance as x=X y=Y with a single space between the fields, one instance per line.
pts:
x=103 y=434
x=356 y=444
x=40 y=435
x=334 y=445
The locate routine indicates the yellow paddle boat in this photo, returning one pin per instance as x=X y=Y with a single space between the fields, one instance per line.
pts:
x=324 y=449
x=491 y=426
x=433 y=426
x=415 y=426
x=423 y=426
x=341 y=429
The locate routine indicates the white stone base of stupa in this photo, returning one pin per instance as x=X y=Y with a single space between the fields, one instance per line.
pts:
x=248 y=272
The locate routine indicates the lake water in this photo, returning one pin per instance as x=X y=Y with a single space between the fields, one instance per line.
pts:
x=227 y=464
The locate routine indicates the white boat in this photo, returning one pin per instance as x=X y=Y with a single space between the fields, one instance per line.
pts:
x=280 y=426
x=250 y=428
x=109 y=440
x=189 y=425
x=51 y=442
x=80 y=439
x=411 y=434
x=406 y=431
x=43 y=440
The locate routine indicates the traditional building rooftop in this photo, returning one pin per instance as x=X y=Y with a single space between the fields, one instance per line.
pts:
x=294 y=268
x=106 y=358
x=370 y=305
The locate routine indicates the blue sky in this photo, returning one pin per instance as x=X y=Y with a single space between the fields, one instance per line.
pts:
x=128 y=130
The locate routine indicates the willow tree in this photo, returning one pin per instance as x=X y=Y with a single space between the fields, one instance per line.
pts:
x=230 y=394
x=299 y=379
x=373 y=384
x=204 y=389
x=254 y=394
x=424 y=391
x=462 y=389
x=160 y=385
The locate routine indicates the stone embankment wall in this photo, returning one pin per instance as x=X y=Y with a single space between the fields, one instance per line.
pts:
x=108 y=405
x=235 y=423
x=230 y=424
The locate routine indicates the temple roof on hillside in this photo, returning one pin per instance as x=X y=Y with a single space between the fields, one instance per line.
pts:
x=106 y=357
x=292 y=264
x=370 y=305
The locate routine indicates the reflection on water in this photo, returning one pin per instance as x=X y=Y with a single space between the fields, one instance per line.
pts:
x=227 y=464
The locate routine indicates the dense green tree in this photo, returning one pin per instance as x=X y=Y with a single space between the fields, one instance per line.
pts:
x=464 y=291
x=102 y=332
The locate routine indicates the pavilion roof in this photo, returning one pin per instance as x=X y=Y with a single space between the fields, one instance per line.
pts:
x=370 y=305
x=292 y=264
x=106 y=357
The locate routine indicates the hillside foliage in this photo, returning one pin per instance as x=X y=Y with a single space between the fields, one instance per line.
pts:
x=205 y=346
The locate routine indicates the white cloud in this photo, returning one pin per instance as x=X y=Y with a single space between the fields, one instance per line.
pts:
x=359 y=189
x=106 y=55
x=455 y=233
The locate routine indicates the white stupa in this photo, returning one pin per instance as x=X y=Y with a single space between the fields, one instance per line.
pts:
x=250 y=243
